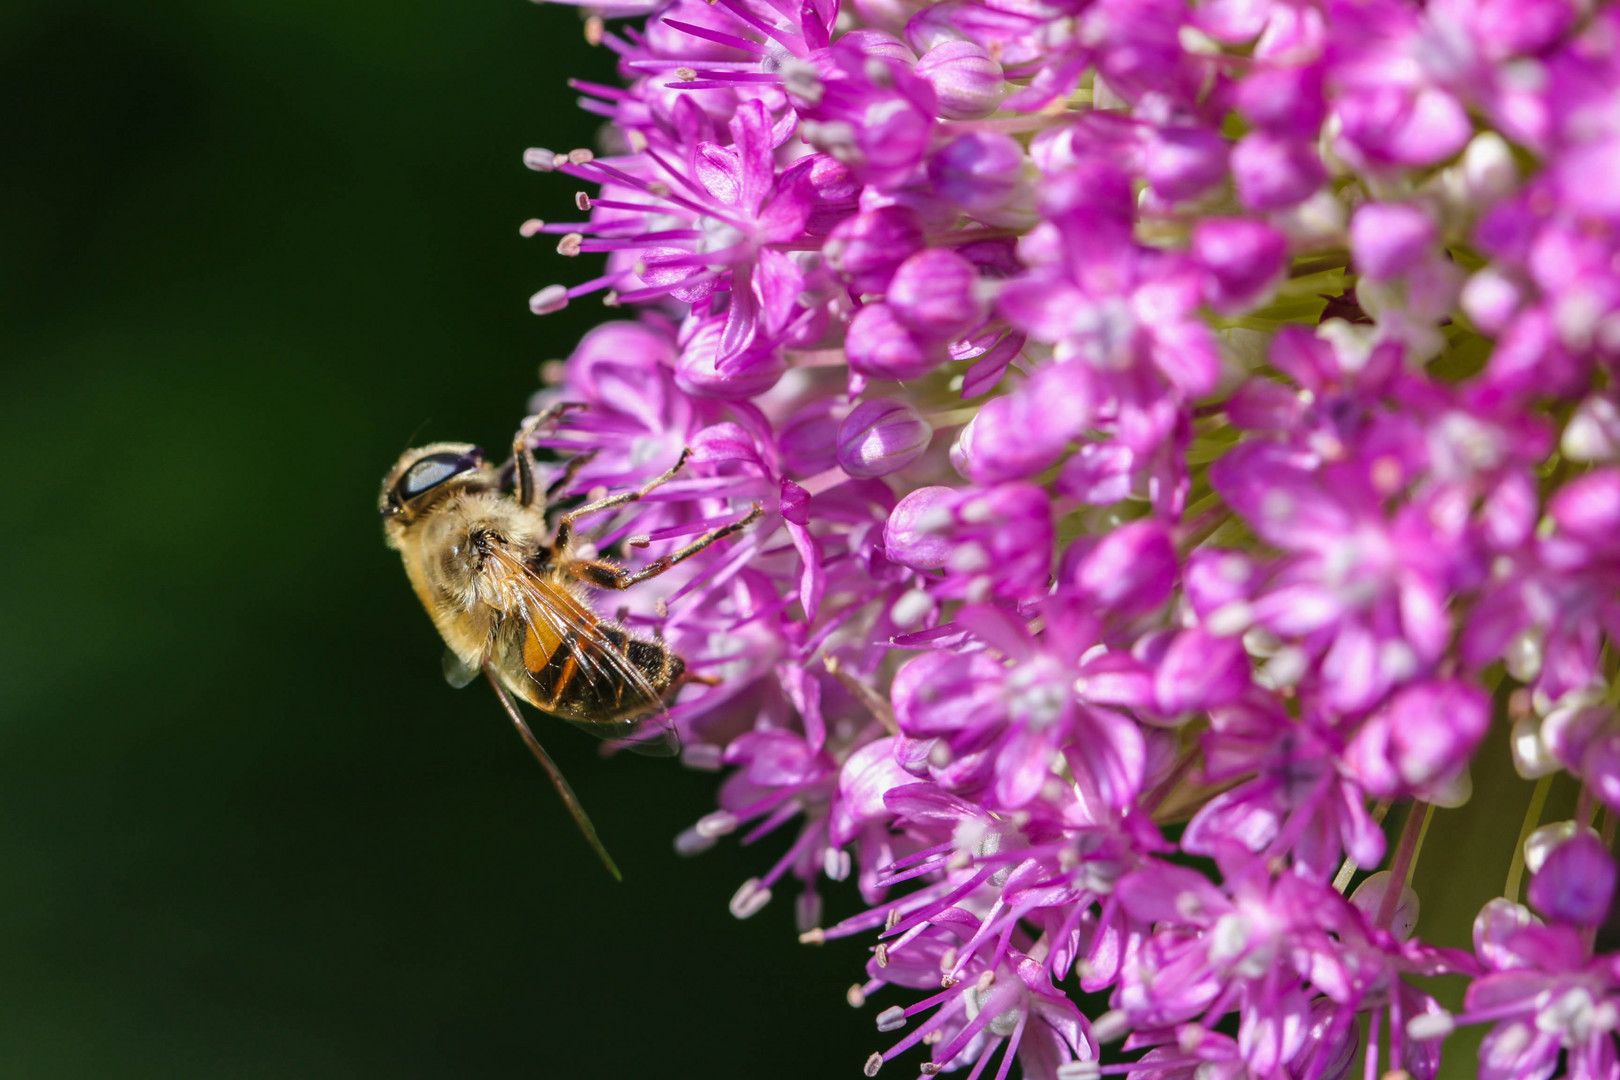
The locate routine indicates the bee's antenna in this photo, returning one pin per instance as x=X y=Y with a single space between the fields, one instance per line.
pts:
x=426 y=420
x=568 y=797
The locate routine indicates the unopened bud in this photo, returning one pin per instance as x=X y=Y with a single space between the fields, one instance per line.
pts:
x=967 y=83
x=882 y=436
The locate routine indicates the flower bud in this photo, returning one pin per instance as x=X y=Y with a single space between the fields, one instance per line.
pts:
x=935 y=294
x=874 y=42
x=1183 y=162
x=1130 y=570
x=968 y=83
x=867 y=247
x=1285 y=99
x=1490 y=298
x=700 y=372
x=809 y=439
x=917 y=533
x=1575 y=883
x=1426 y=733
x=1245 y=260
x=980 y=171
x=1593 y=433
x=1588 y=508
x=880 y=345
x=1387 y=239
x=1217 y=579
x=1369 y=899
x=882 y=436
x=1098 y=474
x=1199 y=672
x=1271 y=172
x=1024 y=432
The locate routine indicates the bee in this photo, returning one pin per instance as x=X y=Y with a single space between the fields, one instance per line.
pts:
x=508 y=593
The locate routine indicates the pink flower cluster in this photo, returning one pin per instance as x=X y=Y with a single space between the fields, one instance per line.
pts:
x=1185 y=430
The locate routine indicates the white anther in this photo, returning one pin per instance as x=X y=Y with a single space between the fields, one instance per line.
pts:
x=1435 y=1025
x=891 y=1019
x=749 y=898
x=1111 y=1026
x=692 y=842
x=549 y=299
x=718 y=823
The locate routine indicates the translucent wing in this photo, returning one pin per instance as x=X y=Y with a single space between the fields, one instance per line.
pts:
x=582 y=670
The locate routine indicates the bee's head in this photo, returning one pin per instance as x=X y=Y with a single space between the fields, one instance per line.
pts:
x=426 y=474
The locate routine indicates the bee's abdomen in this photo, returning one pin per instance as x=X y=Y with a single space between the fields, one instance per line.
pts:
x=616 y=678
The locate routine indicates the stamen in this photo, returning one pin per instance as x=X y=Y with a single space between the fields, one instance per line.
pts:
x=856 y=996
x=1111 y=1026
x=569 y=245
x=716 y=824
x=1436 y=1025
x=873 y=1064
x=549 y=299
x=531 y=227
x=582 y=200
x=749 y=899
x=891 y=1019
x=540 y=159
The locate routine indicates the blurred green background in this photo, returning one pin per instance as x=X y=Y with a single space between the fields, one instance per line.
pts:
x=249 y=252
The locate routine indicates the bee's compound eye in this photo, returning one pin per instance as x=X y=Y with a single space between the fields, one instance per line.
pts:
x=433 y=470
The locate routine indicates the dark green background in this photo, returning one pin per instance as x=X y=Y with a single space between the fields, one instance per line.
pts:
x=250 y=250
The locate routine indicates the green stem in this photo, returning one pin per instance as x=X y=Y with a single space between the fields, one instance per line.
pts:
x=1532 y=818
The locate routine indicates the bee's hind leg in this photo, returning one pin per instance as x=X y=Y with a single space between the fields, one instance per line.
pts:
x=570 y=800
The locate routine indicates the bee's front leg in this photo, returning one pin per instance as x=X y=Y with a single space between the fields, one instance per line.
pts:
x=523 y=454
x=565 y=522
x=604 y=575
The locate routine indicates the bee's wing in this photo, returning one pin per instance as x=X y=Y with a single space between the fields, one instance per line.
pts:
x=565 y=645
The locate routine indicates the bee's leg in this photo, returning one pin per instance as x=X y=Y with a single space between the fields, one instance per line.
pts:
x=523 y=455
x=569 y=799
x=603 y=575
x=570 y=470
x=565 y=522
